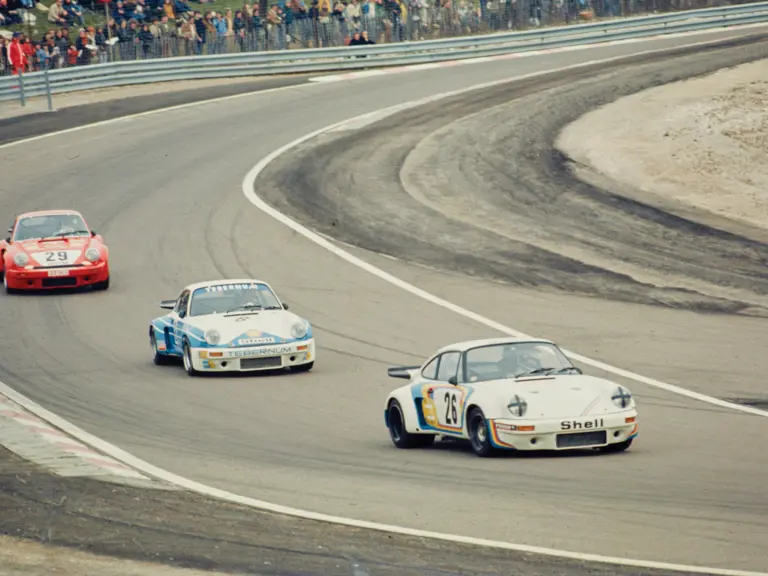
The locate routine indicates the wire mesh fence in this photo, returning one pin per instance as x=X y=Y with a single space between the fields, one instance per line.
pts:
x=149 y=29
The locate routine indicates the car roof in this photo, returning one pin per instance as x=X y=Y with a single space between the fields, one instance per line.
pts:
x=48 y=213
x=205 y=284
x=469 y=344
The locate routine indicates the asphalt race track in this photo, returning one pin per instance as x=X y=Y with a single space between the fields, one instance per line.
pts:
x=165 y=191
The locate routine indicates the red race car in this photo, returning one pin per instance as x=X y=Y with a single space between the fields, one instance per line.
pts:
x=53 y=249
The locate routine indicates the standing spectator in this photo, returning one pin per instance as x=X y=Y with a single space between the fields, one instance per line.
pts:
x=29 y=51
x=189 y=35
x=42 y=56
x=16 y=56
x=5 y=65
x=257 y=28
x=353 y=16
x=147 y=41
x=202 y=31
x=100 y=38
x=238 y=29
x=222 y=30
x=83 y=53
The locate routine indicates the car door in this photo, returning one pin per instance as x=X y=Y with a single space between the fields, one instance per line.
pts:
x=176 y=318
x=449 y=395
x=440 y=402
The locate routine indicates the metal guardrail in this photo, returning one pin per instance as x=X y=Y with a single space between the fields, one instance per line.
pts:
x=359 y=57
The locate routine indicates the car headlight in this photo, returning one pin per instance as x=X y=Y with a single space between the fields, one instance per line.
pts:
x=21 y=259
x=212 y=337
x=92 y=254
x=622 y=397
x=517 y=406
x=299 y=330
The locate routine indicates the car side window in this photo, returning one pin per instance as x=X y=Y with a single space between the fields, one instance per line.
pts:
x=430 y=370
x=181 y=305
x=449 y=364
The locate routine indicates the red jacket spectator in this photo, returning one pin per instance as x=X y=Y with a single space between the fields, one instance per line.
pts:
x=17 y=56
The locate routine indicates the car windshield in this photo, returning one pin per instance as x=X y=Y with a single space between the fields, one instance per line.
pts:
x=50 y=226
x=222 y=298
x=515 y=359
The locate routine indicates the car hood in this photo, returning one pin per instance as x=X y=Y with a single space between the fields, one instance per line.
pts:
x=59 y=252
x=250 y=329
x=567 y=396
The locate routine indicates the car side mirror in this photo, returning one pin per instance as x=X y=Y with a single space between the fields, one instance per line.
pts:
x=8 y=239
x=285 y=306
x=453 y=380
x=168 y=304
x=93 y=233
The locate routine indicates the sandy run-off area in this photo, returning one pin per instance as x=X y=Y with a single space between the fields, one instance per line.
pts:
x=697 y=147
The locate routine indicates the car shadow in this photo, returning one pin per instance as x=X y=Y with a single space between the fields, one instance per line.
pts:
x=456 y=446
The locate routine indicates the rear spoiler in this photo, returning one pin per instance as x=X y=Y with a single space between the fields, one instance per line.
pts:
x=401 y=371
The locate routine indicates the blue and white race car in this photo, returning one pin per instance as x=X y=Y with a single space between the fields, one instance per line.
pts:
x=231 y=325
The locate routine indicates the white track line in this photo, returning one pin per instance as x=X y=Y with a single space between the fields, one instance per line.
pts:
x=248 y=189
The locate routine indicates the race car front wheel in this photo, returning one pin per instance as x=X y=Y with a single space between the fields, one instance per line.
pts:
x=5 y=285
x=479 y=433
x=188 y=366
x=400 y=436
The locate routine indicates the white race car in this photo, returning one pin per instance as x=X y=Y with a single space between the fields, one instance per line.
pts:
x=508 y=394
x=231 y=325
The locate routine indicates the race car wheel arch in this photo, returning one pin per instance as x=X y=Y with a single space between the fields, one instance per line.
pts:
x=157 y=358
x=398 y=431
x=479 y=432
x=187 y=357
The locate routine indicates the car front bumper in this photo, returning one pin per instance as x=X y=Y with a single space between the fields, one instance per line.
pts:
x=253 y=358
x=56 y=278
x=512 y=434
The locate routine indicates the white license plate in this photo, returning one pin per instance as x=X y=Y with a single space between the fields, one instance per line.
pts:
x=58 y=273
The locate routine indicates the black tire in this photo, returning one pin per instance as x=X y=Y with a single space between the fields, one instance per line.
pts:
x=5 y=287
x=187 y=358
x=157 y=358
x=102 y=285
x=399 y=435
x=618 y=447
x=303 y=367
x=479 y=434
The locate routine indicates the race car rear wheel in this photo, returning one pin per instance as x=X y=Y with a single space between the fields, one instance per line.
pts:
x=400 y=436
x=157 y=358
x=188 y=366
x=479 y=433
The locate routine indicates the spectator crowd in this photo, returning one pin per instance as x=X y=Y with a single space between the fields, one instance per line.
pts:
x=141 y=29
